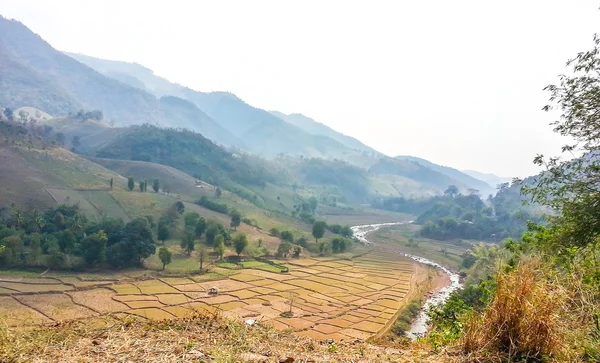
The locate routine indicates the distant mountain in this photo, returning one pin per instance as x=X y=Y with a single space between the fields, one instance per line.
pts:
x=464 y=179
x=316 y=128
x=256 y=130
x=32 y=73
x=492 y=179
x=415 y=171
x=81 y=85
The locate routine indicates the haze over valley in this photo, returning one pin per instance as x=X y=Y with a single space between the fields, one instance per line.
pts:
x=258 y=182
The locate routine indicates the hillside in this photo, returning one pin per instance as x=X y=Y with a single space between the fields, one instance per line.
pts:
x=415 y=171
x=461 y=177
x=125 y=104
x=316 y=128
x=262 y=132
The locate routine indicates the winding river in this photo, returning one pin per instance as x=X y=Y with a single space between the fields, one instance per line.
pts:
x=419 y=326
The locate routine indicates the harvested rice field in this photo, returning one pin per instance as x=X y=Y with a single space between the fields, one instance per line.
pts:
x=328 y=298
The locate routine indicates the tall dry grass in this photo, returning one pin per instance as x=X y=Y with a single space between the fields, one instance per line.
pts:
x=535 y=315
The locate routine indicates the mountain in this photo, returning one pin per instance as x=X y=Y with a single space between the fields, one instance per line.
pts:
x=460 y=177
x=492 y=179
x=32 y=73
x=429 y=178
x=254 y=129
x=316 y=128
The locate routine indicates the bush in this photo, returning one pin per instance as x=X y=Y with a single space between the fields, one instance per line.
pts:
x=208 y=204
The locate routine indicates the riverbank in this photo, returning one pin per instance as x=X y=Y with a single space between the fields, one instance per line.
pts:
x=439 y=289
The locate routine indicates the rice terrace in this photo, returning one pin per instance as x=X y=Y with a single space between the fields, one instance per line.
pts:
x=329 y=298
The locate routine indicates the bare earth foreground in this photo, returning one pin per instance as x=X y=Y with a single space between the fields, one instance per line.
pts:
x=347 y=301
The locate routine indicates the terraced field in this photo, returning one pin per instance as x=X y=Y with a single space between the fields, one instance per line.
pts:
x=328 y=298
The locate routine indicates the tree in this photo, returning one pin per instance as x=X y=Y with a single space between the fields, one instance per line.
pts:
x=240 y=242
x=452 y=191
x=137 y=243
x=318 y=230
x=284 y=249
x=111 y=183
x=141 y=185
x=220 y=246
x=201 y=257
x=346 y=232
x=236 y=219
x=297 y=251
x=191 y=219
x=302 y=241
x=200 y=227
x=180 y=207
x=287 y=236
x=156 y=185
x=274 y=232
x=75 y=142
x=59 y=220
x=165 y=256
x=187 y=243
x=211 y=233
x=93 y=247
x=335 y=244
x=218 y=192
x=130 y=183
x=163 y=232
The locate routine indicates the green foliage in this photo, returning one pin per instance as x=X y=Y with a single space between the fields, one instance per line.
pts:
x=93 y=247
x=137 y=244
x=218 y=192
x=189 y=152
x=284 y=249
x=187 y=243
x=274 y=232
x=219 y=242
x=287 y=236
x=339 y=245
x=212 y=232
x=164 y=233
x=201 y=225
x=191 y=219
x=240 y=242
x=302 y=241
x=156 y=185
x=208 y=204
x=408 y=314
x=297 y=251
x=318 y=229
x=130 y=183
x=236 y=218
x=165 y=256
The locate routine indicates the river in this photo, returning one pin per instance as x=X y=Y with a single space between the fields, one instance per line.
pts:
x=420 y=325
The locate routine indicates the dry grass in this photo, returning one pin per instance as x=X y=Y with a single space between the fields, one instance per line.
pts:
x=202 y=338
x=530 y=318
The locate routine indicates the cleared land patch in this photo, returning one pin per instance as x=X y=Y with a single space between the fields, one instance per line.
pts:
x=331 y=298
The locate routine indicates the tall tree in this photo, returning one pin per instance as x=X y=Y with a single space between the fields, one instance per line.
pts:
x=201 y=257
x=156 y=185
x=318 y=230
x=211 y=233
x=236 y=219
x=111 y=183
x=240 y=242
x=130 y=183
x=93 y=247
x=75 y=142
x=187 y=243
x=165 y=256
x=163 y=232
x=200 y=227
x=452 y=191
x=220 y=246
x=218 y=192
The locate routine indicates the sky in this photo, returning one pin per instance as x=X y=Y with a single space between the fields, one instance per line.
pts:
x=456 y=82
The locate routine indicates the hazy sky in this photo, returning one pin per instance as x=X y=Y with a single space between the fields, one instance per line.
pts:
x=456 y=82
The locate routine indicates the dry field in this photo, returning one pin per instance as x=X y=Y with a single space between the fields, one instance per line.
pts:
x=329 y=298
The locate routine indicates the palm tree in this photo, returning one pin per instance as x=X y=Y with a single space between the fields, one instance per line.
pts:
x=38 y=219
x=76 y=223
x=18 y=217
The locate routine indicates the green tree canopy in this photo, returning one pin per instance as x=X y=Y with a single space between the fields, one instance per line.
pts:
x=318 y=230
x=240 y=242
x=165 y=256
